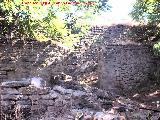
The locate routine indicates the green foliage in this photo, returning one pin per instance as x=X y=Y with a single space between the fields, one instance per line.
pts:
x=147 y=11
x=56 y=22
x=157 y=48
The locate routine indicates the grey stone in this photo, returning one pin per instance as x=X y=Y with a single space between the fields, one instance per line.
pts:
x=53 y=94
x=47 y=102
x=38 y=82
x=25 y=97
x=34 y=91
x=105 y=116
x=25 y=107
x=60 y=102
x=3 y=72
x=78 y=93
x=11 y=97
x=7 y=103
x=16 y=84
x=38 y=107
x=62 y=90
x=23 y=102
x=50 y=96
x=59 y=89
x=11 y=91
x=34 y=97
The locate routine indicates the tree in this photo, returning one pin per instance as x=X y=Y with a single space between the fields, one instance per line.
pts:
x=148 y=11
x=51 y=20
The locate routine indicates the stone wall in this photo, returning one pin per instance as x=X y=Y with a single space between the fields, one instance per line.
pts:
x=126 y=67
x=125 y=64
x=22 y=100
x=18 y=99
x=26 y=58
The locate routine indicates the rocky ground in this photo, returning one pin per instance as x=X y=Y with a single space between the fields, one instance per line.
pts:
x=75 y=102
x=71 y=101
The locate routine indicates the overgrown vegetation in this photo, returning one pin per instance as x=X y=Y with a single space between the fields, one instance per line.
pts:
x=148 y=11
x=64 y=23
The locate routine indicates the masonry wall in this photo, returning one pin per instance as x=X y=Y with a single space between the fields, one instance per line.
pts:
x=24 y=58
x=28 y=58
x=116 y=58
x=125 y=64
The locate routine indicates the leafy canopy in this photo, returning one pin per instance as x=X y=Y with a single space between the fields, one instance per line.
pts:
x=148 y=11
x=60 y=22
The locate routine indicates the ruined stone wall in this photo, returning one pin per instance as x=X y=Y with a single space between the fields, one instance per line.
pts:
x=29 y=58
x=22 y=100
x=19 y=100
x=125 y=64
x=126 y=67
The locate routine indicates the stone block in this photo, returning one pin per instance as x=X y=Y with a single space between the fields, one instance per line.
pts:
x=38 y=107
x=7 y=103
x=8 y=67
x=62 y=90
x=50 y=96
x=10 y=91
x=25 y=97
x=15 y=84
x=11 y=97
x=34 y=91
x=47 y=102
x=11 y=75
x=25 y=107
x=3 y=72
x=3 y=76
x=23 y=102
x=34 y=97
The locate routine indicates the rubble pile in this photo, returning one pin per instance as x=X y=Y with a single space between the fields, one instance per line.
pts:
x=67 y=101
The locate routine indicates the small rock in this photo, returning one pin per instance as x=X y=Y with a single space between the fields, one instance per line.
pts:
x=120 y=109
x=38 y=108
x=46 y=97
x=47 y=102
x=23 y=102
x=78 y=93
x=53 y=94
x=105 y=116
x=34 y=97
x=24 y=97
x=7 y=103
x=88 y=117
x=60 y=103
x=60 y=89
x=69 y=117
x=99 y=115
